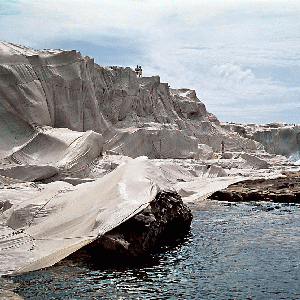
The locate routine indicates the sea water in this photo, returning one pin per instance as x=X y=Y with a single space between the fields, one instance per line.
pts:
x=233 y=251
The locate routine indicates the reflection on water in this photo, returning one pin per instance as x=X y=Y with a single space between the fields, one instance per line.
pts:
x=234 y=251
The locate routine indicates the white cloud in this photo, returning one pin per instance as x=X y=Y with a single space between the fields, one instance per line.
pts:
x=232 y=73
x=215 y=47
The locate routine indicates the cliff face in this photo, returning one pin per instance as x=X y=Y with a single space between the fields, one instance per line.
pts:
x=277 y=138
x=51 y=88
x=136 y=116
x=58 y=112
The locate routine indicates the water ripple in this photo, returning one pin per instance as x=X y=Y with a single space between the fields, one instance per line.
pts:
x=234 y=251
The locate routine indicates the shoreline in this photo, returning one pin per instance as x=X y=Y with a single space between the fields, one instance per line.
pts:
x=282 y=190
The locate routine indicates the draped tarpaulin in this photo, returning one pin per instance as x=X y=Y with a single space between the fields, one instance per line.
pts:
x=52 y=222
x=51 y=123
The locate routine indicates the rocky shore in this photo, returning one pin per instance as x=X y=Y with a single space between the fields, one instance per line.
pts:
x=285 y=189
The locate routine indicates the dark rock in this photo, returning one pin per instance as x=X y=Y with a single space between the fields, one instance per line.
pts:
x=4 y=205
x=162 y=223
x=281 y=190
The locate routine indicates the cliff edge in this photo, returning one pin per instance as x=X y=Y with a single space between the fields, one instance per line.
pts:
x=135 y=116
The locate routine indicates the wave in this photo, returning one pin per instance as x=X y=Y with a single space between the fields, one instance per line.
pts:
x=295 y=158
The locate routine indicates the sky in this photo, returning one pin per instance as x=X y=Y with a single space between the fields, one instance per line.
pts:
x=242 y=57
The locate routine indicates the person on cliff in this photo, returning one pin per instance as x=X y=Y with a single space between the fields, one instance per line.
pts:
x=223 y=147
x=138 y=71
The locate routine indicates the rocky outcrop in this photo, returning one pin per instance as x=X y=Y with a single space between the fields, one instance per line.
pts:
x=136 y=116
x=285 y=190
x=277 y=138
x=165 y=220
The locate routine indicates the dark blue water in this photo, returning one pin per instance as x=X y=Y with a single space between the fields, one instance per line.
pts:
x=242 y=251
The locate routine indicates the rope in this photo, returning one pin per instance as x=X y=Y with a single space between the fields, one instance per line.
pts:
x=17 y=245
x=22 y=230
x=59 y=192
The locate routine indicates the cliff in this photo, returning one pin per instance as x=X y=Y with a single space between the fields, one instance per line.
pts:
x=277 y=138
x=79 y=130
x=135 y=116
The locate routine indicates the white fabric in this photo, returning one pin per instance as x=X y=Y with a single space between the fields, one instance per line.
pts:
x=60 y=218
x=51 y=221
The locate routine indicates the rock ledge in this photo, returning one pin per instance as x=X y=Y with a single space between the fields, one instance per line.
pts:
x=283 y=190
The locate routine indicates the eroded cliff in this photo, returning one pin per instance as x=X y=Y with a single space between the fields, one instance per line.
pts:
x=136 y=116
x=277 y=138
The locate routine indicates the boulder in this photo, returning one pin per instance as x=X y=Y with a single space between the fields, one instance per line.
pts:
x=164 y=221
